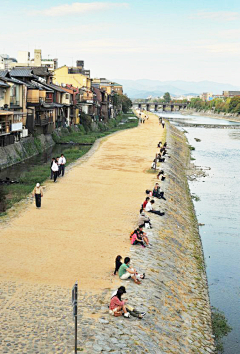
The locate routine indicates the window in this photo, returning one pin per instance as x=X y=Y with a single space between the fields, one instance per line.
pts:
x=67 y=96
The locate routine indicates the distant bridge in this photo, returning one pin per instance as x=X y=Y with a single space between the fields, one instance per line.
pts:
x=173 y=106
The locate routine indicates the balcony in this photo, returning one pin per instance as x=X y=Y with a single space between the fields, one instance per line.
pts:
x=5 y=127
x=41 y=122
x=32 y=102
x=48 y=100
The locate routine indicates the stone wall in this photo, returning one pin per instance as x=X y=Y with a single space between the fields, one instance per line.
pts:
x=228 y=116
x=174 y=294
x=24 y=149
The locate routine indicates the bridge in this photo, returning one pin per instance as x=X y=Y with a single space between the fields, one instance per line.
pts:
x=174 y=106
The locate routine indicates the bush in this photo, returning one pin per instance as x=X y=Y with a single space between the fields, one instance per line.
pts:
x=102 y=127
x=220 y=328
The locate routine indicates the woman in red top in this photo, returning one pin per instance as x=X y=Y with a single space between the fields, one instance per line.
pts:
x=145 y=202
x=117 y=306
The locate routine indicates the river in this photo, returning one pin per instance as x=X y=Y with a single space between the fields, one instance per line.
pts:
x=219 y=210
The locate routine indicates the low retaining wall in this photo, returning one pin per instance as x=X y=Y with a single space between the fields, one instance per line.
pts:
x=28 y=147
x=24 y=149
x=228 y=116
x=174 y=294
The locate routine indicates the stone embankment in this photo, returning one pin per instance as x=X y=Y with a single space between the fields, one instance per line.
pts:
x=39 y=264
x=175 y=292
x=228 y=116
x=31 y=146
x=24 y=149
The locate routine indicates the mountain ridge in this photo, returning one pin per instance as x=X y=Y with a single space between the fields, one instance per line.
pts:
x=142 y=88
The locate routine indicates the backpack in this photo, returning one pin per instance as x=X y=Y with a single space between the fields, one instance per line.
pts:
x=131 y=235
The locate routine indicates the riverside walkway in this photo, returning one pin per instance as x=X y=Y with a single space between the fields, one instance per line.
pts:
x=84 y=222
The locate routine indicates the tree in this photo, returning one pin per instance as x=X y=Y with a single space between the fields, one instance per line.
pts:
x=167 y=97
x=126 y=103
x=234 y=103
x=86 y=121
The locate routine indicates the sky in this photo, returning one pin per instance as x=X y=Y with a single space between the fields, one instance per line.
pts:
x=130 y=39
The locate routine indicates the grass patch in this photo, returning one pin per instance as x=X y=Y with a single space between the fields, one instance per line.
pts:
x=220 y=328
x=195 y=197
x=191 y=147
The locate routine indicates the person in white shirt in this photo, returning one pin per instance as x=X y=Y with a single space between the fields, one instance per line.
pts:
x=61 y=162
x=55 y=170
x=149 y=208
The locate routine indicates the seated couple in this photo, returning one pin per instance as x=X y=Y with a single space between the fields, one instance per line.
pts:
x=119 y=307
x=125 y=272
x=138 y=237
x=147 y=205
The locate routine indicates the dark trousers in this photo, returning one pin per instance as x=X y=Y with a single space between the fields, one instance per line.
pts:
x=138 y=243
x=55 y=175
x=38 y=200
x=62 y=169
x=52 y=174
x=156 y=212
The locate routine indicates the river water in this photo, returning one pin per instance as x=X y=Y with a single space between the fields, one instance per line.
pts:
x=219 y=211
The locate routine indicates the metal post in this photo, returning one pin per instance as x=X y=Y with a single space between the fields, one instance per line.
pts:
x=75 y=310
x=76 y=332
x=76 y=295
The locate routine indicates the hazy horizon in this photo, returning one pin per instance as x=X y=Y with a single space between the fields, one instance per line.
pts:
x=151 y=39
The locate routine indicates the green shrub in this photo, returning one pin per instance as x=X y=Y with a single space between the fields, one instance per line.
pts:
x=38 y=144
x=220 y=328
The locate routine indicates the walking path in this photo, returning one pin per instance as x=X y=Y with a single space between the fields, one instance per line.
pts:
x=84 y=222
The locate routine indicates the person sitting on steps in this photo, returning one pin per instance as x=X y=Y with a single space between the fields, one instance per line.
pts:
x=157 y=193
x=118 y=264
x=145 y=202
x=142 y=235
x=133 y=312
x=144 y=220
x=150 y=209
x=125 y=272
x=117 y=306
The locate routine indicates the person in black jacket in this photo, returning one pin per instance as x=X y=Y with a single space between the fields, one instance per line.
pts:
x=53 y=160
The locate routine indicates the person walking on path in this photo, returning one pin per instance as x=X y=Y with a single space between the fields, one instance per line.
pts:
x=61 y=162
x=53 y=160
x=38 y=193
x=55 y=170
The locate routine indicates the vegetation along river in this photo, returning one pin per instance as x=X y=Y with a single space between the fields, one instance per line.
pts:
x=219 y=211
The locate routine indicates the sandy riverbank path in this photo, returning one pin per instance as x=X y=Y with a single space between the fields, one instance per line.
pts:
x=86 y=217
